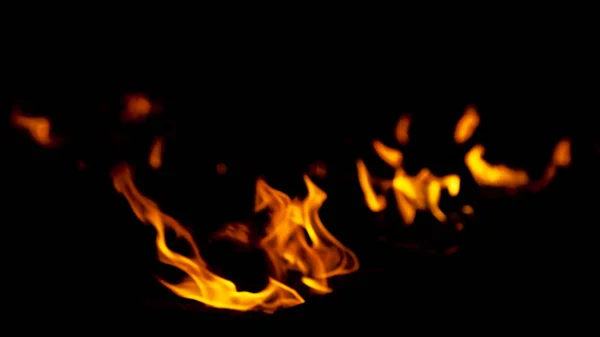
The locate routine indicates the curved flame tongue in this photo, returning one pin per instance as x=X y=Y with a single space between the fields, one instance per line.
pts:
x=200 y=284
x=285 y=243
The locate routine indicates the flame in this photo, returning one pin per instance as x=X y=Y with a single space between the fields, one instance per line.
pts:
x=402 y=129
x=39 y=128
x=421 y=192
x=156 y=151
x=200 y=284
x=137 y=108
x=321 y=258
x=466 y=126
x=285 y=244
x=486 y=174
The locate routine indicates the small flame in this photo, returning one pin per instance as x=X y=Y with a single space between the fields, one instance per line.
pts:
x=156 y=151
x=39 y=128
x=420 y=192
x=200 y=284
x=402 y=129
x=486 y=174
x=137 y=108
x=467 y=125
x=286 y=245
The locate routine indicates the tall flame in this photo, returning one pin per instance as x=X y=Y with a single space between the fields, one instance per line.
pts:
x=285 y=244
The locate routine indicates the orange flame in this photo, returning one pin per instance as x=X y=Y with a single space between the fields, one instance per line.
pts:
x=318 y=260
x=285 y=244
x=402 y=129
x=137 y=108
x=466 y=126
x=486 y=174
x=200 y=284
x=420 y=192
x=39 y=128
x=156 y=151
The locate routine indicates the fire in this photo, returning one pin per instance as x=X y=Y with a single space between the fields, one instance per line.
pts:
x=466 y=126
x=156 y=151
x=402 y=129
x=285 y=244
x=321 y=258
x=39 y=128
x=137 y=108
x=421 y=192
x=486 y=174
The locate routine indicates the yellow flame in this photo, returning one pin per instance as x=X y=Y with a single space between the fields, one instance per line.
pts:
x=467 y=125
x=421 y=192
x=493 y=175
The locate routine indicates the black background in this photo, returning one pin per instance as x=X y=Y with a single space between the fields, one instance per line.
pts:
x=74 y=246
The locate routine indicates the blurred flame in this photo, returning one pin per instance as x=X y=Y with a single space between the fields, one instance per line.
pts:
x=467 y=125
x=200 y=284
x=137 y=108
x=156 y=151
x=468 y=209
x=221 y=168
x=420 y=192
x=285 y=243
x=318 y=169
x=402 y=129
x=375 y=202
x=493 y=175
x=486 y=174
x=238 y=232
x=321 y=258
x=39 y=128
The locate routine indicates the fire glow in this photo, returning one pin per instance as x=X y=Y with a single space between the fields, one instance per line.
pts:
x=296 y=240
x=422 y=192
